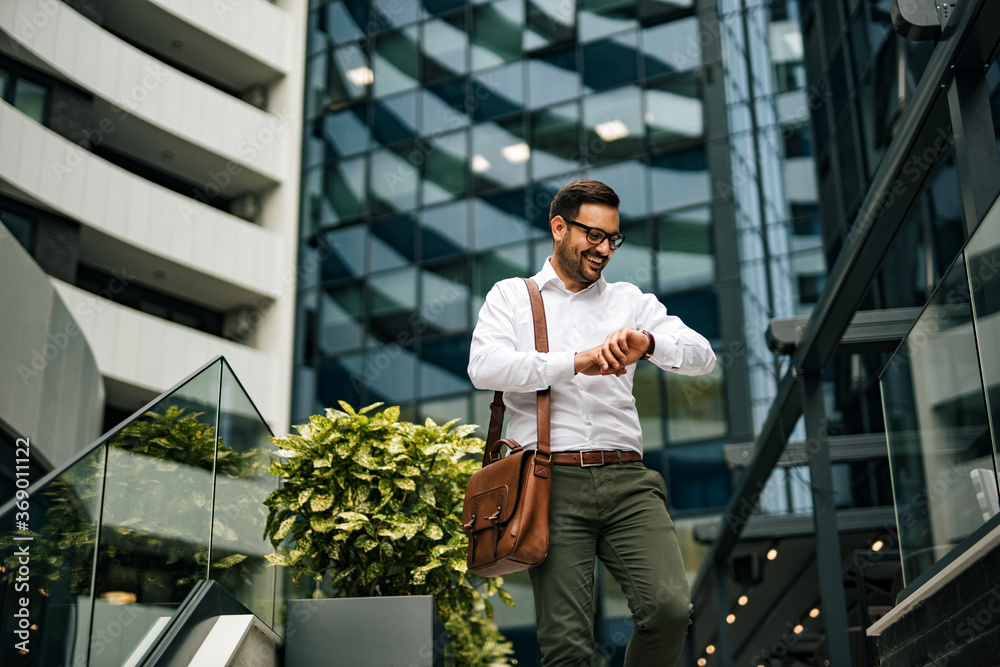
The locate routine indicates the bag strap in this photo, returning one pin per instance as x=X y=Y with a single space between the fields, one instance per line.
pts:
x=544 y=396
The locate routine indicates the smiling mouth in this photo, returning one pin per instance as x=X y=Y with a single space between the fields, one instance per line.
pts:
x=594 y=263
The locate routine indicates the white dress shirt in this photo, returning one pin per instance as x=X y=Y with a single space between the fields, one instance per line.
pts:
x=588 y=412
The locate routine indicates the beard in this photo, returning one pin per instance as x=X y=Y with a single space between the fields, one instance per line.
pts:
x=575 y=264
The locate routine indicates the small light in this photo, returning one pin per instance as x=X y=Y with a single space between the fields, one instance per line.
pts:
x=772 y=554
x=798 y=629
x=731 y=619
x=611 y=130
x=360 y=76
x=702 y=662
x=480 y=164
x=516 y=153
x=743 y=600
x=34 y=626
x=119 y=597
x=877 y=546
x=814 y=612
x=710 y=649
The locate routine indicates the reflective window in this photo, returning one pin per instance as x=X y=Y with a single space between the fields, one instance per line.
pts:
x=500 y=155
x=684 y=252
x=445 y=168
x=441 y=6
x=443 y=370
x=335 y=135
x=342 y=252
x=396 y=61
x=348 y=74
x=699 y=310
x=393 y=302
x=395 y=118
x=393 y=243
x=445 y=230
x=555 y=140
x=599 y=18
x=445 y=107
x=695 y=405
x=343 y=190
x=339 y=380
x=443 y=411
x=30 y=99
x=395 y=13
x=498 y=92
x=394 y=182
x=652 y=11
x=491 y=267
x=674 y=113
x=698 y=477
x=610 y=62
x=499 y=219
x=444 y=46
x=444 y=298
x=548 y=23
x=340 y=320
x=390 y=375
x=553 y=78
x=671 y=47
x=613 y=125
x=680 y=179
x=630 y=181
x=983 y=258
x=496 y=33
x=338 y=22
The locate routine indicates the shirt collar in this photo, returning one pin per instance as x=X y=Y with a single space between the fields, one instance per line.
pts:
x=548 y=274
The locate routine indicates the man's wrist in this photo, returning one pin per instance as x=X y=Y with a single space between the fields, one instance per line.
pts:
x=651 y=348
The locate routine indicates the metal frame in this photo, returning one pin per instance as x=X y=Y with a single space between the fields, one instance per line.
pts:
x=968 y=43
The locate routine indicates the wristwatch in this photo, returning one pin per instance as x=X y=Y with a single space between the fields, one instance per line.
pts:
x=652 y=346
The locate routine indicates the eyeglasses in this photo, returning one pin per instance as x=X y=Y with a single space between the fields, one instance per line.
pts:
x=597 y=236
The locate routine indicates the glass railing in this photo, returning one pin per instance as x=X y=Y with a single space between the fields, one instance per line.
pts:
x=98 y=556
x=941 y=453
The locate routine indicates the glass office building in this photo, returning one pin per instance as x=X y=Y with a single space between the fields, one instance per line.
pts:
x=436 y=134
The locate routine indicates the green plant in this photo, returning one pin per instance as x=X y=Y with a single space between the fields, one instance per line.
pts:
x=375 y=503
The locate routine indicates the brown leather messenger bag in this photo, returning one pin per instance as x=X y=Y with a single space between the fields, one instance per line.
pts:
x=506 y=511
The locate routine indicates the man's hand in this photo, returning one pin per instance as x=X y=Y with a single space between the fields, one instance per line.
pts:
x=619 y=350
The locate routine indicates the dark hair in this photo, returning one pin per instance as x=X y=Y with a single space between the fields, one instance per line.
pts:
x=567 y=201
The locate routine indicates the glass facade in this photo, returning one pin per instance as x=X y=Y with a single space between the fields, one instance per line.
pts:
x=437 y=133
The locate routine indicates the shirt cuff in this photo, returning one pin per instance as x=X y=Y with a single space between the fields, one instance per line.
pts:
x=668 y=353
x=560 y=367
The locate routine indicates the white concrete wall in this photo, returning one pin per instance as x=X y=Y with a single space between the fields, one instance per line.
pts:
x=81 y=186
x=158 y=94
x=50 y=387
x=144 y=351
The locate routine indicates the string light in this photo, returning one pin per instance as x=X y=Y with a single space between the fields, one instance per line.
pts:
x=743 y=600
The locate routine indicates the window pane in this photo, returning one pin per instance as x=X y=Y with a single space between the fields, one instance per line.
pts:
x=339 y=22
x=613 y=125
x=444 y=230
x=633 y=261
x=555 y=140
x=674 y=112
x=499 y=155
x=343 y=190
x=498 y=92
x=698 y=477
x=631 y=182
x=553 y=79
x=445 y=168
x=443 y=47
x=339 y=380
x=396 y=61
x=610 y=62
x=443 y=370
x=349 y=74
x=30 y=99
x=395 y=118
x=684 y=248
x=496 y=34
x=395 y=13
x=680 y=179
x=490 y=267
x=343 y=253
x=695 y=406
x=654 y=10
x=444 y=300
x=549 y=22
x=393 y=302
x=604 y=17
x=335 y=135
x=3 y=84
x=445 y=107
x=499 y=219
x=394 y=181
x=671 y=47
x=340 y=320
x=393 y=243
x=22 y=228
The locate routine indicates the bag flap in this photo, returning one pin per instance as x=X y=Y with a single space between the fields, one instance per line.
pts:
x=495 y=488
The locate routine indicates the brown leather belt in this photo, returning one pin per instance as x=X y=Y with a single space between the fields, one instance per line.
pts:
x=595 y=458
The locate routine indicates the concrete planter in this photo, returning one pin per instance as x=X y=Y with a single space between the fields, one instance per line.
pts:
x=403 y=631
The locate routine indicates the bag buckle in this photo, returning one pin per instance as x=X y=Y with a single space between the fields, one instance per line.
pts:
x=591 y=465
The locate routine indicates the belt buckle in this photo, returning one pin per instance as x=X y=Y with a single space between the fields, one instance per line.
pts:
x=591 y=465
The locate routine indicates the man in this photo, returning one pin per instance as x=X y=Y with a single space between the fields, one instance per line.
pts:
x=605 y=503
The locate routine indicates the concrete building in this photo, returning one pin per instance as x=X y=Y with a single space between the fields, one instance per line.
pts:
x=149 y=165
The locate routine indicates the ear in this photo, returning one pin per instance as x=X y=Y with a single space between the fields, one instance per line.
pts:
x=558 y=227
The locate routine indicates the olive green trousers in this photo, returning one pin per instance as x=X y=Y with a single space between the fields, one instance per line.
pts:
x=617 y=513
